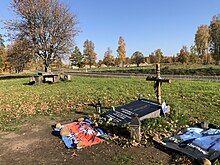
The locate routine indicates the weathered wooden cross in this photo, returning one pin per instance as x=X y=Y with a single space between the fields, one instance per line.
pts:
x=158 y=82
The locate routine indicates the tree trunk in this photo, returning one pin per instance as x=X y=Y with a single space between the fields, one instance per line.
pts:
x=45 y=69
x=46 y=66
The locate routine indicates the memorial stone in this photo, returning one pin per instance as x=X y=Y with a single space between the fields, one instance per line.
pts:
x=144 y=108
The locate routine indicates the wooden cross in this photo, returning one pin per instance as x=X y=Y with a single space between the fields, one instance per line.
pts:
x=158 y=82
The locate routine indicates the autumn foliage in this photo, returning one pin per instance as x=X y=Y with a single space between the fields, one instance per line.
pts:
x=18 y=55
x=89 y=53
x=48 y=25
x=109 y=58
x=121 y=51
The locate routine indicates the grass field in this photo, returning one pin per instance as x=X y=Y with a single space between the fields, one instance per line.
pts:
x=190 y=101
x=197 y=100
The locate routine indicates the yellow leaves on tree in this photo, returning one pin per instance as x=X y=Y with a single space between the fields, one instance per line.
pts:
x=121 y=51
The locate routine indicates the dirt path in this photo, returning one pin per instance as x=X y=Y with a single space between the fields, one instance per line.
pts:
x=34 y=144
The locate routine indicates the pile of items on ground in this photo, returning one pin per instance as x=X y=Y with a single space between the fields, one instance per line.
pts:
x=80 y=134
x=200 y=142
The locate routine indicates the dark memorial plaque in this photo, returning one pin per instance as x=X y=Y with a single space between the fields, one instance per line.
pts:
x=143 y=108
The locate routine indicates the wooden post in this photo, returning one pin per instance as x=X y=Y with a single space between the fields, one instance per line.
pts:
x=158 y=82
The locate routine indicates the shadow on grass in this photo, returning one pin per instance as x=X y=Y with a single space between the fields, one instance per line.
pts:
x=9 y=77
x=28 y=84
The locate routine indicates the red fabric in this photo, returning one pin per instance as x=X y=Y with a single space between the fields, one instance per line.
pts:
x=84 y=133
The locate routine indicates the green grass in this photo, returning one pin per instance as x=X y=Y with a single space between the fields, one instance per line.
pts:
x=122 y=159
x=197 y=100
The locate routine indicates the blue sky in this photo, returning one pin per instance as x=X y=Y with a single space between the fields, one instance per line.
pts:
x=145 y=25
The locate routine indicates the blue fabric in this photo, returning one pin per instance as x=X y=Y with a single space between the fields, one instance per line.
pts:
x=192 y=133
x=102 y=133
x=69 y=141
x=206 y=139
x=208 y=142
x=87 y=120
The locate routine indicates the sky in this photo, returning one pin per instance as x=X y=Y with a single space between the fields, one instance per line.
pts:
x=145 y=25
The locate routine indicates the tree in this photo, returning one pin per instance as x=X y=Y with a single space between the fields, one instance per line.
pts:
x=89 y=53
x=109 y=58
x=117 y=62
x=58 y=63
x=2 y=41
x=168 y=59
x=152 y=57
x=158 y=55
x=18 y=55
x=215 y=38
x=147 y=59
x=47 y=24
x=76 y=58
x=2 y=58
x=174 y=58
x=194 y=57
x=121 y=51
x=127 y=61
x=99 y=64
x=137 y=58
x=183 y=56
x=2 y=53
x=202 y=41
